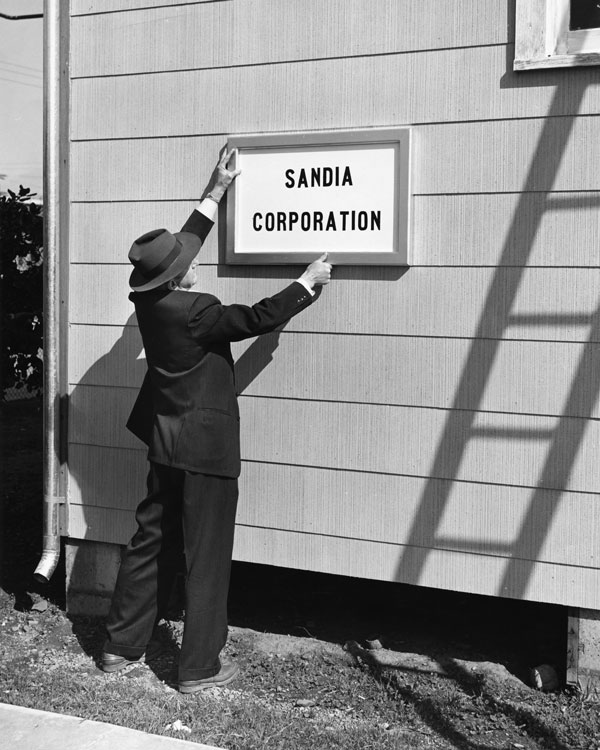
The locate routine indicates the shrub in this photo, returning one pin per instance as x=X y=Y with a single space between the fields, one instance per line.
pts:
x=21 y=290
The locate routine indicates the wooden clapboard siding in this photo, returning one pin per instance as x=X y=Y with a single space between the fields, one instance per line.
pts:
x=402 y=371
x=526 y=304
x=103 y=232
x=262 y=31
x=101 y=525
x=97 y=416
x=488 y=157
x=446 y=86
x=84 y=7
x=475 y=573
x=448 y=230
x=370 y=507
x=514 y=229
x=509 y=449
x=121 y=484
x=106 y=355
x=437 y=425
x=441 y=569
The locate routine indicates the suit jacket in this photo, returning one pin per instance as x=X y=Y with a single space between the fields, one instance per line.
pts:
x=186 y=410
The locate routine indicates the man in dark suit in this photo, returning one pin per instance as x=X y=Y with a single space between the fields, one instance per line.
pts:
x=187 y=414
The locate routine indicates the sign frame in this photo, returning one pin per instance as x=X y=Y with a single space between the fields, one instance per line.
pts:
x=397 y=255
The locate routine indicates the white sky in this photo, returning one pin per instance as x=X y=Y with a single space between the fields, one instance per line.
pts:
x=21 y=97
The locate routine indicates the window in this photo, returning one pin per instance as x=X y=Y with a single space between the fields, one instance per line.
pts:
x=584 y=14
x=557 y=33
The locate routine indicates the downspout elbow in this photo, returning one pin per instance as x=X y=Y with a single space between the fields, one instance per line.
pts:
x=51 y=541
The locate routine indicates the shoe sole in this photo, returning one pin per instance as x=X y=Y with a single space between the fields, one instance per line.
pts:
x=188 y=689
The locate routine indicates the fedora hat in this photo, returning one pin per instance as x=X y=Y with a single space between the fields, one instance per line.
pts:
x=159 y=256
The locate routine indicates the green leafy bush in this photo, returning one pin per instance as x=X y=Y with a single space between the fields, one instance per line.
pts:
x=21 y=289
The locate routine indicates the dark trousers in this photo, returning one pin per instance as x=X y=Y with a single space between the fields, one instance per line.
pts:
x=193 y=513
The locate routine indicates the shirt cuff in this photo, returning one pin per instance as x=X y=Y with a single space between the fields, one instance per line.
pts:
x=208 y=208
x=308 y=288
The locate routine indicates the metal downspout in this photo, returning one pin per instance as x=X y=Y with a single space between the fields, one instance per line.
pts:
x=52 y=469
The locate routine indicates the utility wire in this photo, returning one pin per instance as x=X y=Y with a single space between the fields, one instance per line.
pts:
x=21 y=83
x=20 y=76
x=35 y=76
x=18 y=65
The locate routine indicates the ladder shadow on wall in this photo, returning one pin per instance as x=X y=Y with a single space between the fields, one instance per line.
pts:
x=564 y=440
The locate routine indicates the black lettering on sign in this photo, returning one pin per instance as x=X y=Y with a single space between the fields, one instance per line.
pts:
x=317 y=221
x=319 y=177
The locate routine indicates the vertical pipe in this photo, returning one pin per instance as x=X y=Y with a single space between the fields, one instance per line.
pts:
x=52 y=154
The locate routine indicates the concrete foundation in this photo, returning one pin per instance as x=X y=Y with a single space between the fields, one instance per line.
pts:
x=91 y=569
x=583 y=651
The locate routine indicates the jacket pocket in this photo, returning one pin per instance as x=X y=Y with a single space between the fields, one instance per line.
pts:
x=208 y=438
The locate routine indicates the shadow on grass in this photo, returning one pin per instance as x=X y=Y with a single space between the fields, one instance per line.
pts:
x=473 y=684
x=162 y=653
x=434 y=712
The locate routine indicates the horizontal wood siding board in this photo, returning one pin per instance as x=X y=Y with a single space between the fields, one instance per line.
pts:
x=534 y=155
x=97 y=524
x=454 y=571
x=252 y=32
x=511 y=303
x=527 y=229
x=86 y=7
x=511 y=229
x=457 y=571
x=103 y=232
x=481 y=519
x=439 y=86
x=120 y=486
x=504 y=449
x=525 y=378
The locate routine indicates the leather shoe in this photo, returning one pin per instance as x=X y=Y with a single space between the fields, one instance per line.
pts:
x=224 y=676
x=115 y=662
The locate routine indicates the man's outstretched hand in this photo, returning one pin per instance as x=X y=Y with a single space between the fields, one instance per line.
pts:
x=222 y=177
x=319 y=272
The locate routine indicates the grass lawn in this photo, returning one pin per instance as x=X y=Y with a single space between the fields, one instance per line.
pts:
x=452 y=672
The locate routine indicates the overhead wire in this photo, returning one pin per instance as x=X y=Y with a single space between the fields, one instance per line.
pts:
x=19 y=72
x=18 y=65
x=21 y=83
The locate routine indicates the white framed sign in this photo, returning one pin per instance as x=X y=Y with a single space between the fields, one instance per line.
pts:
x=300 y=195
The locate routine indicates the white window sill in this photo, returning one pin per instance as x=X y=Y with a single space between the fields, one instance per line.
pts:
x=558 y=61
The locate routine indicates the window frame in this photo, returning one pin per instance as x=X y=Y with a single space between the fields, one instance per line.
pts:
x=543 y=38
